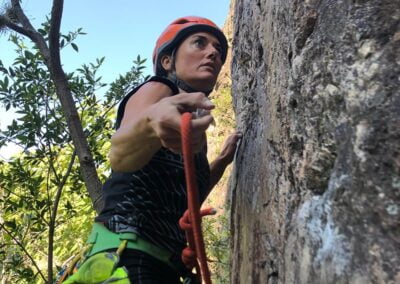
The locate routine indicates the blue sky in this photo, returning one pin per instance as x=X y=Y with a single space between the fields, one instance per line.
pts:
x=119 y=31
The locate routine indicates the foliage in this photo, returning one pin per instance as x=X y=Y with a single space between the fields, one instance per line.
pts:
x=41 y=189
x=216 y=235
x=216 y=229
x=223 y=112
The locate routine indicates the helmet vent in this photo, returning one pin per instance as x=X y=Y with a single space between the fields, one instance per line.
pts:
x=181 y=21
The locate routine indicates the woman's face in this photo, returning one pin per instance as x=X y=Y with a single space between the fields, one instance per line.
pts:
x=198 y=61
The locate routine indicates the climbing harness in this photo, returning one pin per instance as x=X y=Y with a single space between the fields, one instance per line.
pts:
x=94 y=268
x=191 y=220
x=97 y=264
x=103 y=239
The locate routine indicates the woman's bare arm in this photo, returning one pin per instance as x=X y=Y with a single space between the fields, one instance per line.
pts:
x=151 y=120
x=218 y=166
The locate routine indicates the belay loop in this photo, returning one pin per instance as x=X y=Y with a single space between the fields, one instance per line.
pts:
x=194 y=234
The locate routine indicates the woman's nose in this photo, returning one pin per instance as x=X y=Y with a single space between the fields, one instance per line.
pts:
x=212 y=51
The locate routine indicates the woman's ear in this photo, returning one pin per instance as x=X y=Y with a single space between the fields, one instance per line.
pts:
x=166 y=62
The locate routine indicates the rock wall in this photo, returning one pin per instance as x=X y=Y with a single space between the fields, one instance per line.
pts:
x=315 y=190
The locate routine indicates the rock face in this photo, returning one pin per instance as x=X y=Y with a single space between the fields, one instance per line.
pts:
x=315 y=191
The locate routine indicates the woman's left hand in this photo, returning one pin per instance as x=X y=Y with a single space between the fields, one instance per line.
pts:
x=229 y=148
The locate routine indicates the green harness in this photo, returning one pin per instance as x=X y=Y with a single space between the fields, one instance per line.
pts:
x=99 y=266
x=103 y=239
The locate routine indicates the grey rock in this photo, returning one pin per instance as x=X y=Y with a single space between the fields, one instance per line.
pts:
x=315 y=189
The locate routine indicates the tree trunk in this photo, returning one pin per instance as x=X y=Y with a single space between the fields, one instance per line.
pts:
x=86 y=162
x=20 y=23
x=315 y=192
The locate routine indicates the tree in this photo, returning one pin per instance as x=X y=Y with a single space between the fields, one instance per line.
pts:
x=49 y=47
x=34 y=182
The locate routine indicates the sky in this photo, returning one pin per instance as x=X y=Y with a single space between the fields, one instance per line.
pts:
x=118 y=31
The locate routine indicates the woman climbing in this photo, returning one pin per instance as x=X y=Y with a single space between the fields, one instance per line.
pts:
x=146 y=194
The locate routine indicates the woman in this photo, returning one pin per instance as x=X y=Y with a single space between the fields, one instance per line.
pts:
x=146 y=194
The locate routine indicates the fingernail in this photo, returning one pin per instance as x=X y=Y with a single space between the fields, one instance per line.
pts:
x=208 y=103
x=200 y=112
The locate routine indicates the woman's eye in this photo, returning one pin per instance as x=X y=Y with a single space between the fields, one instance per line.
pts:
x=199 y=42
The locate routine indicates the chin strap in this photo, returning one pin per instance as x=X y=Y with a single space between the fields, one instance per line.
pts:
x=183 y=85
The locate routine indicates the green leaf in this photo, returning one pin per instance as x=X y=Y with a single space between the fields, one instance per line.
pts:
x=42 y=32
x=5 y=83
x=3 y=69
x=29 y=54
x=11 y=224
x=12 y=73
x=74 y=46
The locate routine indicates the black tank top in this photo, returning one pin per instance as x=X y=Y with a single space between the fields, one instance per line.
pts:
x=151 y=200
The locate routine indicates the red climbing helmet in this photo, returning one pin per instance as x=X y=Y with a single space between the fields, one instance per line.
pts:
x=178 y=30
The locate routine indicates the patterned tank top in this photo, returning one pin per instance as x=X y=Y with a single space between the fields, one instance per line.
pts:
x=151 y=200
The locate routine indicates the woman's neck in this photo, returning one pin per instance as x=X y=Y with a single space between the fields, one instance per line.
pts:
x=182 y=85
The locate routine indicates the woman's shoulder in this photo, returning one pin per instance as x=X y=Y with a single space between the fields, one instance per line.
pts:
x=162 y=81
x=153 y=83
x=153 y=89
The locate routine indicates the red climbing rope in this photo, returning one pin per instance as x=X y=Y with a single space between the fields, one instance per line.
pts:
x=191 y=220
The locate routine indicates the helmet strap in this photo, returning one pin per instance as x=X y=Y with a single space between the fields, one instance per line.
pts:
x=183 y=85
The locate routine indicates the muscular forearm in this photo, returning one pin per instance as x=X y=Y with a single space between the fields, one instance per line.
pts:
x=217 y=169
x=133 y=145
x=218 y=166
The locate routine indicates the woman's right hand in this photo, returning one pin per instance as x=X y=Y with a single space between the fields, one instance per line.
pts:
x=152 y=118
x=165 y=118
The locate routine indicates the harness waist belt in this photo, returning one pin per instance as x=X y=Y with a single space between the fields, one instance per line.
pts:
x=103 y=239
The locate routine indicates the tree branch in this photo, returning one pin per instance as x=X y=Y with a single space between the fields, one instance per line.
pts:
x=11 y=141
x=54 y=33
x=24 y=250
x=22 y=18
x=53 y=217
x=13 y=26
x=27 y=29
